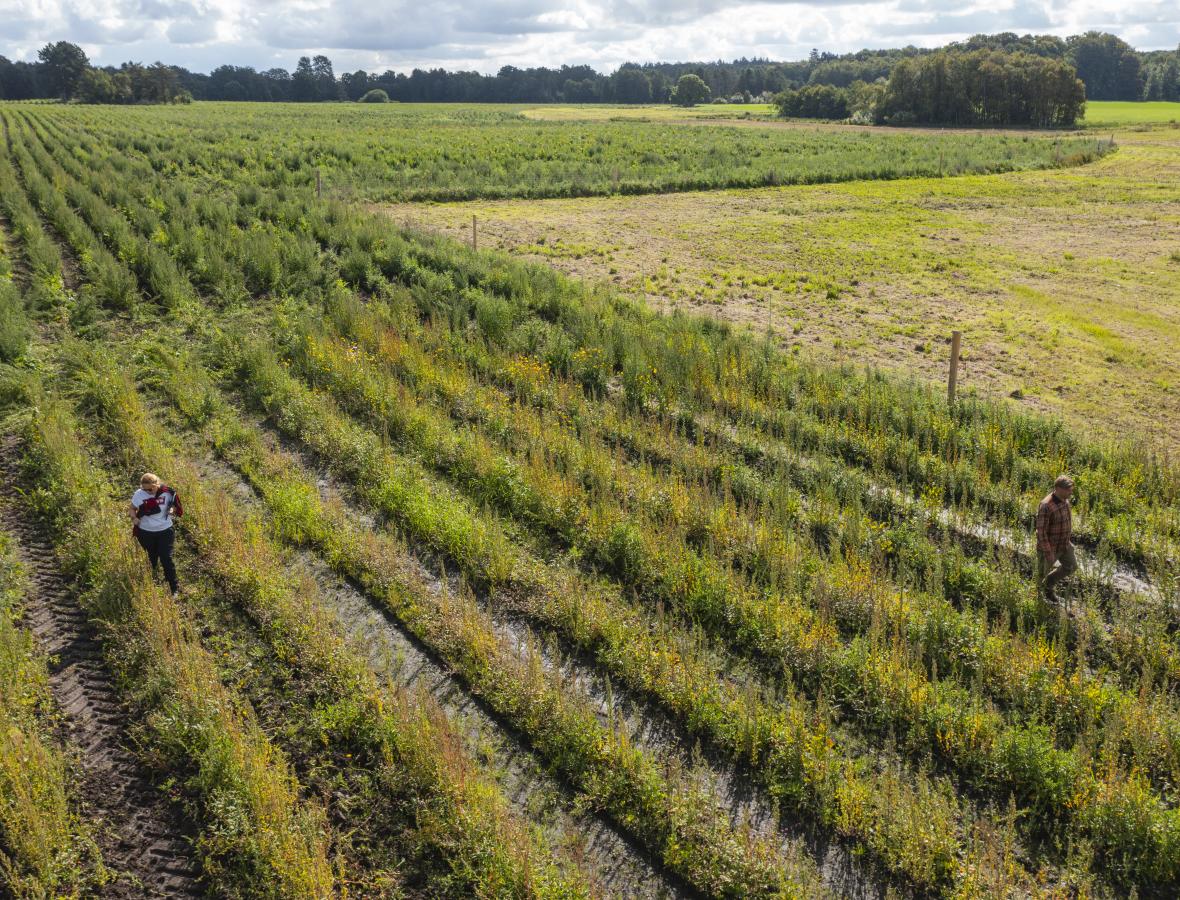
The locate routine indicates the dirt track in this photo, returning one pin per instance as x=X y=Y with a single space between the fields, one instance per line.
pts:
x=141 y=836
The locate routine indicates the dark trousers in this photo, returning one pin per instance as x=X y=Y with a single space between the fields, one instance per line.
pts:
x=1050 y=573
x=158 y=545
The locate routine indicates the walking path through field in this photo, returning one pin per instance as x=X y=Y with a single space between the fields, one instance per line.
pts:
x=141 y=835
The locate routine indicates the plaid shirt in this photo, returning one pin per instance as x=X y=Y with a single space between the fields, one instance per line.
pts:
x=1054 y=524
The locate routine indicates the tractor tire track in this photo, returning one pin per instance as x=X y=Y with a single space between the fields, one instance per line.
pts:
x=142 y=837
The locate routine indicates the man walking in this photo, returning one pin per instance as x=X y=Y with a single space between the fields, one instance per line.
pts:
x=1054 y=526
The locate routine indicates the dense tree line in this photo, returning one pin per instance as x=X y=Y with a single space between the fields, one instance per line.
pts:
x=1109 y=67
x=1161 y=75
x=62 y=71
x=953 y=87
x=983 y=87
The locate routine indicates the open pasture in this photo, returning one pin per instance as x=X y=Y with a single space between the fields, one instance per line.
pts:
x=499 y=583
x=1106 y=113
x=1066 y=282
x=598 y=112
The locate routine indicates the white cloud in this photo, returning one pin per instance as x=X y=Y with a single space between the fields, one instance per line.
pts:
x=485 y=35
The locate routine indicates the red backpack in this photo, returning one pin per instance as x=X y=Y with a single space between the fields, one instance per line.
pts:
x=153 y=505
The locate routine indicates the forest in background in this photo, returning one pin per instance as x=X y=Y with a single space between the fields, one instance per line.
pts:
x=1109 y=68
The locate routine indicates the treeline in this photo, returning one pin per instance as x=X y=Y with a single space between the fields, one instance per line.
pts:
x=953 y=87
x=1109 y=67
x=63 y=71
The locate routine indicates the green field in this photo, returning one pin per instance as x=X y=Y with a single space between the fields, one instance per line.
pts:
x=1060 y=280
x=456 y=152
x=500 y=583
x=1105 y=113
x=598 y=112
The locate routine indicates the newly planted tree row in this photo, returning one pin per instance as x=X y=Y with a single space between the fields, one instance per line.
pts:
x=805 y=569
x=269 y=838
x=257 y=826
x=385 y=730
x=711 y=846
x=1049 y=805
x=551 y=495
x=928 y=874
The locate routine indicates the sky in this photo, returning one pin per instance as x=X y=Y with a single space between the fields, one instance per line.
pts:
x=487 y=34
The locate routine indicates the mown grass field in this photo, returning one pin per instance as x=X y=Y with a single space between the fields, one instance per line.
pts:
x=1066 y=282
x=499 y=583
x=1102 y=113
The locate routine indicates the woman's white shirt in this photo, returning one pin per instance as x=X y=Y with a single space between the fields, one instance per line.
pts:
x=160 y=521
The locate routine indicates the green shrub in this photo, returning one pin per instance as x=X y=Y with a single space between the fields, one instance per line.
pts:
x=495 y=317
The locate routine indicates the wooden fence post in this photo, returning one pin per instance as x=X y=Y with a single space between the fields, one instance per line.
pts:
x=956 y=339
x=319 y=185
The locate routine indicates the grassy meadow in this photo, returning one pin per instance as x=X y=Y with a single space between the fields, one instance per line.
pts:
x=1065 y=282
x=598 y=112
x=1104 y=113
x=700 y=614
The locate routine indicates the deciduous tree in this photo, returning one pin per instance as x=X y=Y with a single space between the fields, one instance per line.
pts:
x=64 y=63
x=690 y=90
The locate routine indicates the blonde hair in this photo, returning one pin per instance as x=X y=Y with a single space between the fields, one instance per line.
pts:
x=149 y=479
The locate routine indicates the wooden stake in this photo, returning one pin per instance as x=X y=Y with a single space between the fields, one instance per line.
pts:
x=956 y=338
x=474 y=239
x=319 y=185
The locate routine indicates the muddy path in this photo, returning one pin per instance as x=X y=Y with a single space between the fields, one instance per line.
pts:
x=143 y=837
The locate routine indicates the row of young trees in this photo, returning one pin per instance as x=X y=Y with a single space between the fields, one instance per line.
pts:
x=970 y=88
x=1109 y=67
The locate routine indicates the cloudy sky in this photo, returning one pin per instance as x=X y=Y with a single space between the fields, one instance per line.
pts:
x=486 y=34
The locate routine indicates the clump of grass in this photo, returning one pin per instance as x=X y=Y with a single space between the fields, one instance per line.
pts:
x=14 y=324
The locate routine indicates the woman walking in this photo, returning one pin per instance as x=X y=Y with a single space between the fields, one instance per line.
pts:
x=153 y=507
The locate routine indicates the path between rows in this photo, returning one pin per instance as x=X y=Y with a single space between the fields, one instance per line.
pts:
x=142 y=836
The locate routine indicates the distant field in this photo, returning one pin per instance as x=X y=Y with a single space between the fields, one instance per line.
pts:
x=654 y=112
x=1099 y=113
x=464 y=152
x=1066 y=282
x=1110 y=112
